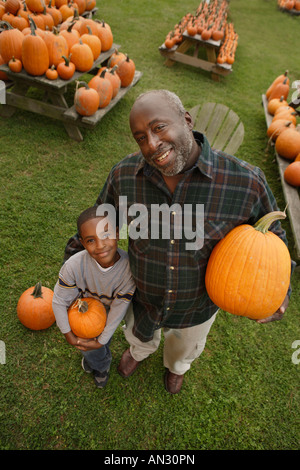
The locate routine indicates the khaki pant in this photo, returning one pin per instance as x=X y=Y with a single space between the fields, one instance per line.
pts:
x=181 y=346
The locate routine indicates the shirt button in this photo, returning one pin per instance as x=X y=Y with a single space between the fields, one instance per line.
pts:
x=170 y=291
x=172 y=267
x=173 y=213
x=172 y=242
x=168 y=308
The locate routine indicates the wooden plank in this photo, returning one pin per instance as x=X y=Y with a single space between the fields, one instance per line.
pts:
x=291 y=194
x=226 y=130
x=204 y=116
x=235 y=140
x=214 y=126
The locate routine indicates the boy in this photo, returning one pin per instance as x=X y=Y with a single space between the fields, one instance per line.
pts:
x=101 y=271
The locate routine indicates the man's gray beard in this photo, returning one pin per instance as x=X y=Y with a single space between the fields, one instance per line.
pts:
x=182 y=157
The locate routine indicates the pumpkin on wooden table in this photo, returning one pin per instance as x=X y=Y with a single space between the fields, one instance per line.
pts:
x=103 y=87
x=87 y=317
x=82 y=56
x=93 y=41
x=57 y=46
x=105 y=35
x=15 y=65
x=11 y=40
x=248 y=272
x=34 y=308
x=126 y=71
x=12 y=6
x=279 y=79
x=86 y=99
x=66 y=69
x=287 y=143
x=71 y=35
x=113 y=77
x=292 y=173
x=35 y=55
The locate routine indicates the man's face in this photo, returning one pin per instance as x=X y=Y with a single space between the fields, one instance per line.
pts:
x=164 y=137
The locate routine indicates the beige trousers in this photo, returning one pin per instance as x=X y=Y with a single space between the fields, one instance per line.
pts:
x=181 y=346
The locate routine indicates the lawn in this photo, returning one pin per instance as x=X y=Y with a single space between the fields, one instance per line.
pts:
x=243 y=392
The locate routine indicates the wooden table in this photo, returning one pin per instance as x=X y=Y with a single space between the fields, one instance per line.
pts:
x=291 y=194
x=178 y=54
x=53 y=102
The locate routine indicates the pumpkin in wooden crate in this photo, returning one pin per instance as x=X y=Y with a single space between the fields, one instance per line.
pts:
x=248 y=272
x=34 y=308
x=87 y=317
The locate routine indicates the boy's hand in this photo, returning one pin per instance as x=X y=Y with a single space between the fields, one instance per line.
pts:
x=87 y=344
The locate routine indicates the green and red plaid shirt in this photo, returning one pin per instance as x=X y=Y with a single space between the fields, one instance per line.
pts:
x=170 y=287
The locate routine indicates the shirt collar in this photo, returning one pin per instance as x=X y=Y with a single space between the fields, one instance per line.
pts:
x=204 y=162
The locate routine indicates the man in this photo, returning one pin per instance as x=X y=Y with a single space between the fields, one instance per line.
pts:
x=176 y=167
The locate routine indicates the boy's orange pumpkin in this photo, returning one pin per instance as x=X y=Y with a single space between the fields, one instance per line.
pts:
x=248 y=272
x=34 y=308
x=87 y=317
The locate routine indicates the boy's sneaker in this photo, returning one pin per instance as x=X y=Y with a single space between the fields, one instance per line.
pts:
x=85 y=366
x=101 y=378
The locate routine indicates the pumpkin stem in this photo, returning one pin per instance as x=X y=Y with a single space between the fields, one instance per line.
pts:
x=82 y=305
x=37 y=291
x=263 y=224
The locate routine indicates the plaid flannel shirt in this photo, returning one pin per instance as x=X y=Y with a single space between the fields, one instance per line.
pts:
x=170 y=280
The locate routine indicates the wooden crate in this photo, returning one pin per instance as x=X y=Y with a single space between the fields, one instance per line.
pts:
x=291 y=194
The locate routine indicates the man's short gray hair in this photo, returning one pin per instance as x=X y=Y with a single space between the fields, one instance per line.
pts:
x=172 y=98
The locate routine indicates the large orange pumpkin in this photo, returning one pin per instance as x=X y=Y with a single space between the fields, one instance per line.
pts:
x=87 y=317
x=288 y=144
x=248 y=272
x=34 y=308
x=292 y=174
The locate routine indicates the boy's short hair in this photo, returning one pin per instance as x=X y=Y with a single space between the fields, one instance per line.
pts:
x=88 y=214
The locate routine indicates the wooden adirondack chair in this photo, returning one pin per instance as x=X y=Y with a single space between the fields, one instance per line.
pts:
x=222 y=127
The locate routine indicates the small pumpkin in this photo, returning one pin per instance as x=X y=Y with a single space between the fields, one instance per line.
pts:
x=51 y=73
x=248 y=272
x=275 y=104
x=15 y=65
x=87 y=317
x=292 y=174
x=278 y=126
x=34 y=308
x=66 y=69
x=86 y=99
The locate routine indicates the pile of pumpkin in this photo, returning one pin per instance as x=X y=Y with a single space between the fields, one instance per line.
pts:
x=209 y=22
x=284 y=129
x=289 y=4
x=54 y=40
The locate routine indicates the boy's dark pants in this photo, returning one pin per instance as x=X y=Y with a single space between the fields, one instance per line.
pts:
x=99 y=359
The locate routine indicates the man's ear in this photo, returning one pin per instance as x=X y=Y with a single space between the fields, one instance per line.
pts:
x=189 y=120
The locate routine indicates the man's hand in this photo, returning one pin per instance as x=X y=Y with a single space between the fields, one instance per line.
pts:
x=278 y=315
x=81 y=343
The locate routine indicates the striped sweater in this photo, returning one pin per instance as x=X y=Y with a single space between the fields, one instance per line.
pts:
x=82 y=276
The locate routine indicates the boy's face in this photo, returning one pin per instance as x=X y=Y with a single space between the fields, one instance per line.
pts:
x=99 y=244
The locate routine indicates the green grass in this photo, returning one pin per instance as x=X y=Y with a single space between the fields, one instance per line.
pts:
x=243 y=393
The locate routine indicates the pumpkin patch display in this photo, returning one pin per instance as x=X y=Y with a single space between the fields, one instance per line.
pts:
x=248 y=272
x=34 y=308
x=87 y=317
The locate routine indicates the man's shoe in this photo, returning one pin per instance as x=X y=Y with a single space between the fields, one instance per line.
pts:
x=173 y=382
x=127 y=364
